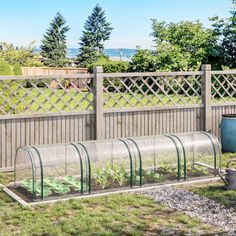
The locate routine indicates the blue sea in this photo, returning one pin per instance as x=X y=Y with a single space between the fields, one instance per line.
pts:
x=118 y=54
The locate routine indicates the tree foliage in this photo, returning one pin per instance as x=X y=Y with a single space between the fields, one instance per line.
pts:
x=22 y=56
x=110 y=66
x=225 y=30
x=97 y=30
x=5 y=68
x=178 y=47
x=143 y=60
x=53 y=47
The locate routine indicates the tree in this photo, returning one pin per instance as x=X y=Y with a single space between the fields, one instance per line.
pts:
x=21 y=56
x=96 y=31
x=143 y=60
x=225 y=30
x=178 y=47
x=184 y=45
x=53 y=47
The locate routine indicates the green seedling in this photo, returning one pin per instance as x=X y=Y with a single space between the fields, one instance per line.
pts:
x=166 y=168
x=61 y=189
x=74 y=183
x=46 y=190
x=27 y=184
x=119 y=174
x=101 y=177
x=200 y=169
x=56 y=186
x=153 y=176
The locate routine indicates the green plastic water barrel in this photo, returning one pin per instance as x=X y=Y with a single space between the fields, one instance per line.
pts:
x=228 y=133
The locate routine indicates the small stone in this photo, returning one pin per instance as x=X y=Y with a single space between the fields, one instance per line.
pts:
x=207 y=210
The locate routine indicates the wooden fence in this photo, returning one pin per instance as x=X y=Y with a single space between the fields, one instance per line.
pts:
x=33 y=112
x=32 y=71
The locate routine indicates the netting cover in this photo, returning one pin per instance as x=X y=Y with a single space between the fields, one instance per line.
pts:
x=92 y=166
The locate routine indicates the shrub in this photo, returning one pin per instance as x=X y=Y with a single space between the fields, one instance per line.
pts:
x=5 y=68
x=143 y=61
x=14 y=105
x=17 y=69
x=110 y=66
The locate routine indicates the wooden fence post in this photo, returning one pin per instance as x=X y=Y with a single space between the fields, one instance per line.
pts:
x=98 y=98
x=206 y=96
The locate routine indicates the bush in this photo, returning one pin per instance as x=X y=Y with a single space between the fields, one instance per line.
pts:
x=7 y=87
x=5 y=68
x=143 y=61
x=17 y=69
x=110 y=66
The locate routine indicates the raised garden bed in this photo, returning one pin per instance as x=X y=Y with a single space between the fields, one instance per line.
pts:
x=103 y=180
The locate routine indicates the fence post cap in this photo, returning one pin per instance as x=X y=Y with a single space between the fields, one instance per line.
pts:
x=206 y=67
x=98 y=69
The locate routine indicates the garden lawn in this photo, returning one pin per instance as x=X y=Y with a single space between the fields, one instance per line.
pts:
x=217 y=190
x=41 y=100
x=118 y=214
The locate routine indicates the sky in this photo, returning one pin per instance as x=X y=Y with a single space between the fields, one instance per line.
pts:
x=24 y=21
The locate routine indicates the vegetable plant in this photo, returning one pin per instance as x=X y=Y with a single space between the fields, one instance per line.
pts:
x=153 y=176
x=28 y=185
x=74 y=183
x=167 y=168
x=46 y=190
x=101 y=176
x=118 y=174
x=57 y=186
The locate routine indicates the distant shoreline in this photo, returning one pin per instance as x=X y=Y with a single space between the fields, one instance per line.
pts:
x=117 y=54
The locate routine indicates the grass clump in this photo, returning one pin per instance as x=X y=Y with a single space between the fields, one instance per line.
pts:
x=118 y=214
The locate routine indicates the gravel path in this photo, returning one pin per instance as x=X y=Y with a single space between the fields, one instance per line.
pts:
x=194 y=205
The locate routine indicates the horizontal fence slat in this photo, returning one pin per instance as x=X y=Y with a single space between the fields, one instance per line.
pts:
x=40 y=77
x=147 y=74
x=223 y=72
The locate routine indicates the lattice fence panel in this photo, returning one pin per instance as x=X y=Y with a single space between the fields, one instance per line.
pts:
x=151 y=91
x=38 y=96
x=223 y=88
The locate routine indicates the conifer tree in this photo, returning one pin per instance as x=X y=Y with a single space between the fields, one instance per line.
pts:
x=96 y=31
x=53 y=48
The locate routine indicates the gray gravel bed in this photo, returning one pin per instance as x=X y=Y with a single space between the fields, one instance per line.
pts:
x=207 y=210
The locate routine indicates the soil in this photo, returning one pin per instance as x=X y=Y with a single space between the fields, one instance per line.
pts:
x=96 y=188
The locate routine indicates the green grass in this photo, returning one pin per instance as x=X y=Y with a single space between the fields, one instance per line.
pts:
x=120 y=214
x=44 y=99
x=217 y=191
x=40 y=100
x=226 y=157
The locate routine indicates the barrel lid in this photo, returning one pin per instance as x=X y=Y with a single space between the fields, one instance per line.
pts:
x=229 y=115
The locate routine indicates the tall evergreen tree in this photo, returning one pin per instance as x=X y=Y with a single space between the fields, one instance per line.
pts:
x=96 y=31
x=53 y=47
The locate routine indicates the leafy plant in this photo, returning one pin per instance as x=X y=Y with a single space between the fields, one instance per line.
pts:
x=101 y=176
x=28 y=185
x=74 y=183
x=119 y=174
x=46 y=190
x=167 y=168
x=56 y=186
x=199 y=169
x=153 y=176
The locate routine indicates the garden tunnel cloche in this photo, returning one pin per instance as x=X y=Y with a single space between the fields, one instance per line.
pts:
x=59 y=170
